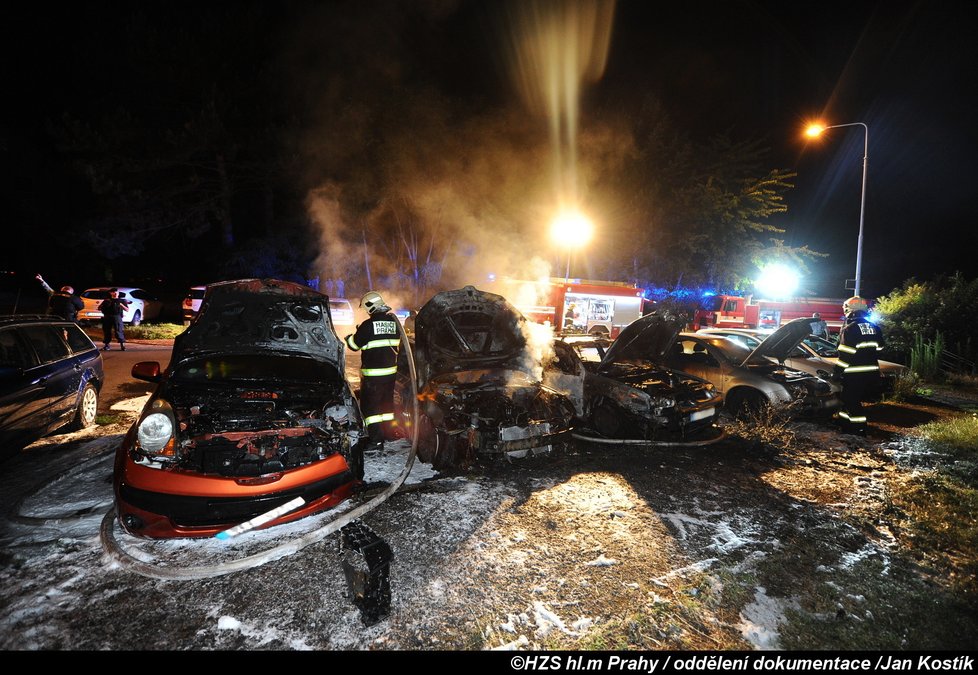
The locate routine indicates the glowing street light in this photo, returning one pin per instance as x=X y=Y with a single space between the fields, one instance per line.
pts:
x=814 y=131
x=571 y=230
x=777 y=281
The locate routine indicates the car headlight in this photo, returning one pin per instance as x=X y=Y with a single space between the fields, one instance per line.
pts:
x=661 y=402
x=154 y=432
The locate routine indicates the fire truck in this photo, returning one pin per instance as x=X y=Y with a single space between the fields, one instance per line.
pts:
x=575 y=305
x=731 y=311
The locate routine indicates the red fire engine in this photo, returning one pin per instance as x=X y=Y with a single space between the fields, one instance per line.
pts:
x=575 y=305
x=731 y=311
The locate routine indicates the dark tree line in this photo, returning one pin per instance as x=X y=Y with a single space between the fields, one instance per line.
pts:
x=303 y=140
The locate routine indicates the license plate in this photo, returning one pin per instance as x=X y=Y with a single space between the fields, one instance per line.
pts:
x=700 y=414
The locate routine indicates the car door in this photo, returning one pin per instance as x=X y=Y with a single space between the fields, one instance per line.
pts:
x=56 y=372
x=21 y=399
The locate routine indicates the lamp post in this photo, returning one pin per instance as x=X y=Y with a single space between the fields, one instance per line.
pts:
x=571 y=229
x=816 y=130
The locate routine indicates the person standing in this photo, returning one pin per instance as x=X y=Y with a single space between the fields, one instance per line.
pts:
x=858 y=368
x=64 y=303
x=112 y=308
x=378 y=340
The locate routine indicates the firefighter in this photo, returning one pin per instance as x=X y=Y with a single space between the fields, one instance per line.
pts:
x=377 y=339
x=860 y=341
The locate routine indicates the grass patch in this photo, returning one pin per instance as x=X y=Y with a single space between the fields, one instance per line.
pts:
x=145 y=331
x=105 y=419
x=939 y=514
x=959 y=435
x=938 y=509
x=154 y=331
x=842 y=592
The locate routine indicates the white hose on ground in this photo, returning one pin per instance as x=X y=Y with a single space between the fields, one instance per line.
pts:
x=649 y=443
x=116 y=553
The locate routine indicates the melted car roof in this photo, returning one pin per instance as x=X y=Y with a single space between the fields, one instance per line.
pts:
x=256 y=315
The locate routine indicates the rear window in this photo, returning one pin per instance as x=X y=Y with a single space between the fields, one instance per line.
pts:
x=95 y=295
x=197 y=293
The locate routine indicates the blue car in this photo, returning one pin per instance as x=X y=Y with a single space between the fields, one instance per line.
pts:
x=50 y=377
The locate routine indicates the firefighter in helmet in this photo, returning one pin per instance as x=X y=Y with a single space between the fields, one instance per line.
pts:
x=860 y=342
x=378 y=340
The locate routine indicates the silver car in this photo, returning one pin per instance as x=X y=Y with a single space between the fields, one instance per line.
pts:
x=750 y=378
x=813 y=354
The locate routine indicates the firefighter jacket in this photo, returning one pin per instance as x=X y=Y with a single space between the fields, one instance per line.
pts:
x=65 y=305
x=378 y=339
x=860 y=342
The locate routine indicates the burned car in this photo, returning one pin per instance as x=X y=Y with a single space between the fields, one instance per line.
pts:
x=252 y=412
x=479 y=385
x=750 y=379
x=621 y=389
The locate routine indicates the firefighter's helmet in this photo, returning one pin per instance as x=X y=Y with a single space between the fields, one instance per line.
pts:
x=373 y=302
x=854 y=304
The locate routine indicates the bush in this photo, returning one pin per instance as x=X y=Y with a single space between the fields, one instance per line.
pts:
x=905 y=386
x=925 y=358
x=945 y=305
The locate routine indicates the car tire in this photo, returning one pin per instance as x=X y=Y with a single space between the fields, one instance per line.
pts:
x=137 y=318
x=87 y=408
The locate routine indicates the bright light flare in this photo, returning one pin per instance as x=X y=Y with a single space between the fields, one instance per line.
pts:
x=571 y=229
x=777 y=281
x=815 y=130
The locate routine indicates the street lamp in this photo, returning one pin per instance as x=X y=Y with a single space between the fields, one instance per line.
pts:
x=814 y=131
x=571 y=229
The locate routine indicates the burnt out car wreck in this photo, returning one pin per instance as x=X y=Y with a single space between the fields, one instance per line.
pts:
x=480 y=387
x=253 y=412
x=621 y=390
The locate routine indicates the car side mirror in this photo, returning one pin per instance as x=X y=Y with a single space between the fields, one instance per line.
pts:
x=147 y=370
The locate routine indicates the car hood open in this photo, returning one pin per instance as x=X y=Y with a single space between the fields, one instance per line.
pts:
x=261 y=315
x=645 y=339
x=468 y=329
x=778 y=345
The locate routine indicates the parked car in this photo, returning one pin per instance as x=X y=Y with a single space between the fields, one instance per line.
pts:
x=750 y=378
x=343 y=317
x=622 y=390
x=813 y=355
x=50 y=377
x=479 y=386
x=253 y=411
x=143 y=306
x=191 y=303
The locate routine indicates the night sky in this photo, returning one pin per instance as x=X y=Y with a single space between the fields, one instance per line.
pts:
x=747 y=69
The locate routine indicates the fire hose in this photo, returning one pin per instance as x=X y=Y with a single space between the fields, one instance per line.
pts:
x=648 y=442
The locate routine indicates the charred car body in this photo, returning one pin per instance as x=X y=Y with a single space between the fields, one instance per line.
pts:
x=750 y=379
x=621 y=389
x=253 y=411
x=480 y=389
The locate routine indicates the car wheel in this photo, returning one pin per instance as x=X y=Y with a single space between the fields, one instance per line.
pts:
x=137 y=317
x=745 y=403
x=87 y=408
